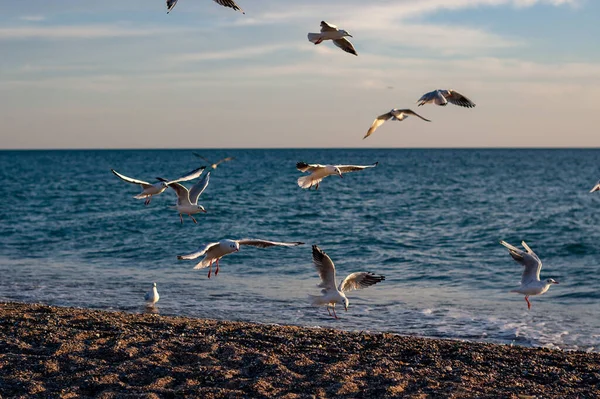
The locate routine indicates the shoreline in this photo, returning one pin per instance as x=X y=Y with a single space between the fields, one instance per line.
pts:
x=73 y=352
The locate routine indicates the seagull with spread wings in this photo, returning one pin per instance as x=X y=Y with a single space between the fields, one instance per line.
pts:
x=319 y=172
x=596 y=187
x=331 y=293
x=225 y=3
x=148 y=190
x=443 y=97
x=216 y=250
x=187 y=200
x=530 y=280
x=214 y=165
x=395 y=115
x=338 y=36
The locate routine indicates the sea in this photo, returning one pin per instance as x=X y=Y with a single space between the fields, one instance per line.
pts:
x=430 y=220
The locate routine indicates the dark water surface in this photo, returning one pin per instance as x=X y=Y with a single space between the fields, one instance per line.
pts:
x=430 y=220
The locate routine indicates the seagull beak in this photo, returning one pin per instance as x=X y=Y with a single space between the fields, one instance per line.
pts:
x=556 y=282
x=350 y=35
x=204 y=210
x=346 y=308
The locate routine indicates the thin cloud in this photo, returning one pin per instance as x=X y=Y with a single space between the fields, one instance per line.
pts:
x=32 y=18
x=77 y=32
x=230 y=54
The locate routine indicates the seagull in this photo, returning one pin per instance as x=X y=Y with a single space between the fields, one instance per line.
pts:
x=395 y=115
x=151 y=297
x=530 y=280
x=596 y=187
x=154 y=189
x=216 y=250
x=224 y=3
x=187 y=201
x=331 y=32
x=319 y=172
x=331 y=293
x=442 y=97
x=214 y=165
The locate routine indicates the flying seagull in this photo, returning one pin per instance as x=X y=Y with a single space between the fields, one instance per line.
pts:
x=395 y=115
x=331 y=32
x=442 y=97
x=152 y=296
x=214 y=165
x=331 y=293
x=187 y=201
x=319 y=172
x=596 y=187
x=530 y=280
x=154 y=189
x=216 y=250
x=224 y=3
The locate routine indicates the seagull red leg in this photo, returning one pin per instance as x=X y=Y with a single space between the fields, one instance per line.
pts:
x=210 y=268
x=528 y=303
x=217 y=270
x=181 y=218
x=190 y=215
x=334 y=315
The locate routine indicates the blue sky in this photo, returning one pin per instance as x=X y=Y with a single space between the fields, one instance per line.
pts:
x=125 y=74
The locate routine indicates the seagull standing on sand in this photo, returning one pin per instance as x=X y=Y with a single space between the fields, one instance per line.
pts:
x=224 y=3
x=319 y=172
x=152 y=296
x=442 y=97
x=154 y=189
x=596 y=187
x=216 y=250
x=331 y=32
x=187 y=201
x=331 y=293
x=395 y=115
x=530 y=280
x=214 y=165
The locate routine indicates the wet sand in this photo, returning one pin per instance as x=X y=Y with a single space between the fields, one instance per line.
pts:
x=59 y=352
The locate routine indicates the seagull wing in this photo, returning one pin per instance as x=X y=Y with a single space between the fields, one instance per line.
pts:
x=596 y=187
x=201 y=251
x=458 y=99
x=201 y=157
x=326 y=27
x=224 y=160
x=433 y=96
x=198 y=188
x=188 y=176
x=230 y=4
x=378 y=122
x=183 y=195
x=130 y=180
x=267 y=244
x=528 y=259
x=325 y=267
x=305 y=167
x=345 y=45
x=354 y=168
x=170 y=5
x=359 y=280
x=411 y=112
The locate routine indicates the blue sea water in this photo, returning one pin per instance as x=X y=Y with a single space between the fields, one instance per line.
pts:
x=429 y=220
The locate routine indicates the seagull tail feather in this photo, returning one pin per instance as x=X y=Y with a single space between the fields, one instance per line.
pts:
x=316 y=300
x=306 y=181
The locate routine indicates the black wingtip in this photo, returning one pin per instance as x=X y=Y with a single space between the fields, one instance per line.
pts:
x=179 y=257
x=301 y=165
x=376 y=163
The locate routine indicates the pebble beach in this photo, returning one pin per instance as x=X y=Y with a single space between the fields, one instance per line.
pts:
x=62 y=352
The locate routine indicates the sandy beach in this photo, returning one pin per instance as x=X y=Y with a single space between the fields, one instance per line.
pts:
x=48 y=351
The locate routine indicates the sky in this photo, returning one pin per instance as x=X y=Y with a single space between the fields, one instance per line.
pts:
x=124 y=74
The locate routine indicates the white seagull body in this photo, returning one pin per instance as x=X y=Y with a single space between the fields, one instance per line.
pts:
x=443 y=97
x=152 y=296
x=225 y=3
x=148 y=190
x=319 y=172
x=214 y=165
x=216 y=250
x=530 y=280
x=187 y=201
x=596 y=187
x=395 y=115
x=338 y=36
x=333 y=294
